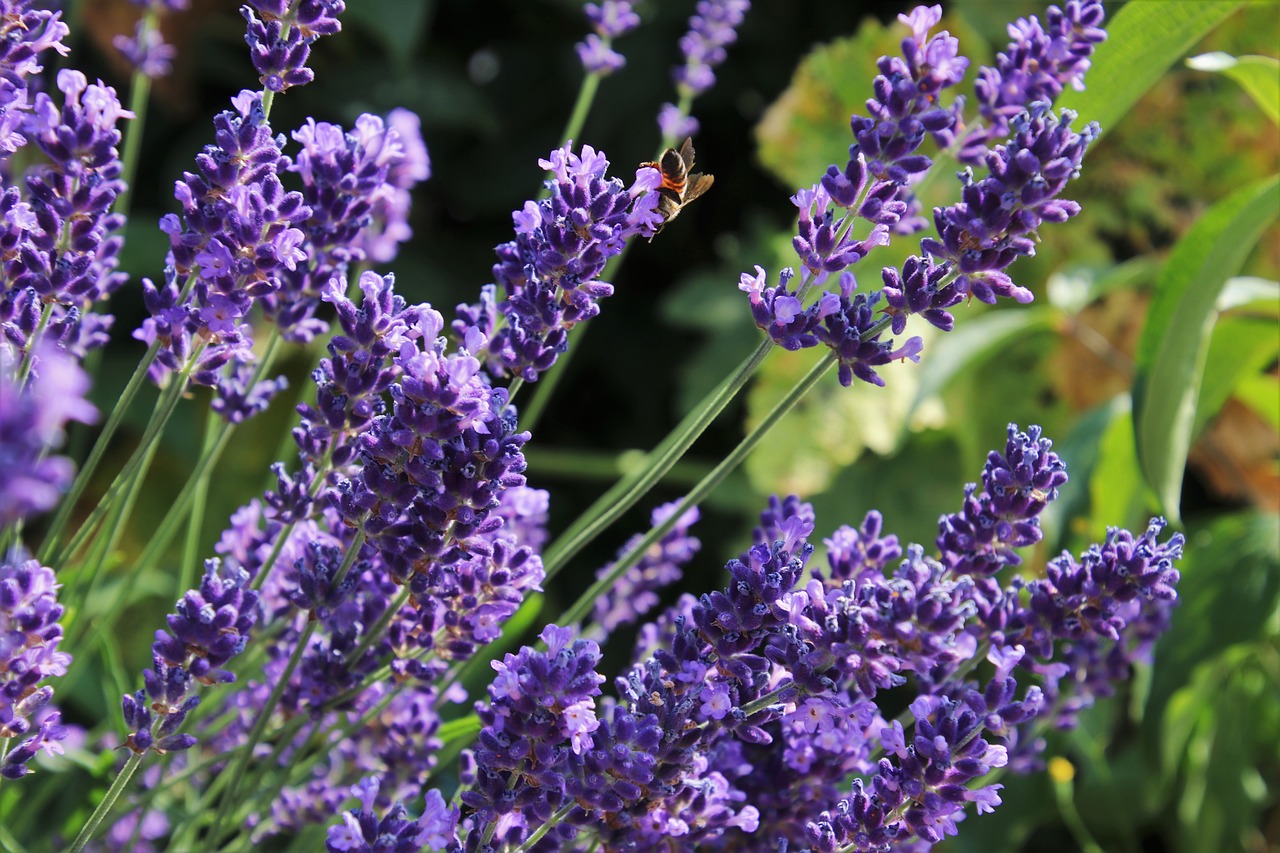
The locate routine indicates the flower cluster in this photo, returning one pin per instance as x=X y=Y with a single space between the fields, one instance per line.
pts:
x=541 y=711
x=610 y=19
x=59 y=244
x=209 y=627
x=550 y=273
x=33 y=416
x=352 y=182
x=363 y=832
x=237 y=233
x=280 y=40
x=29 y=637
x=25 y=33
x=1041 y=61
x=712 y=28
x=993 y=224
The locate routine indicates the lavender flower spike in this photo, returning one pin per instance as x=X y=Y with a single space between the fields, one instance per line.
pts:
x=29 y=637
x=611 y=19
x=281 y=39
x=711 y=30
x=548 y=274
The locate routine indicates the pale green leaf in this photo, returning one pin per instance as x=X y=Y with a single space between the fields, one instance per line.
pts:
x=1257 y=75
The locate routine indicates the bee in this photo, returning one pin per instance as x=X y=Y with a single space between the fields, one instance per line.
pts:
x=678 y=186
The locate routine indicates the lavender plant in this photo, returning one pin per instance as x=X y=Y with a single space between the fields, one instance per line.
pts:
x=347 y=668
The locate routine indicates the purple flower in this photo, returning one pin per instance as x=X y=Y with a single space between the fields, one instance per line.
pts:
x=61 y=243
x=209 y=627
x=1037 y=65
x=25 y=33
x=29 y=638
x=147 y=51
x=920 y=791
x=997 y=218
x=346 y=182
x=1004 y=516
x=238 y=239
x=612 y=18
x=362 y=831
x=906 y=103
x=549 y=273
x=711 y=30
x=280 y=41
x=388 y=224
x=540 y=704
x=33 y=417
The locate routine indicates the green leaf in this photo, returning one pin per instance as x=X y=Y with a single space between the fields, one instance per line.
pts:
x=1257 y=75
x=1143 y=41
x=972 y=342
x=1243 y=346
x=1174 y=344
x=1116 y=493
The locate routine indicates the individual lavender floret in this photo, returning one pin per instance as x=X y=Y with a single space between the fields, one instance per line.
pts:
x=983 y=537
x=712 y=28
x=29 y=638
x=362 y=831
x=25 y=33
x=541 y=710
x=548 y=274
x=610 y=19
x=1037 y=65
x=853 y=553
x=61 y=245
x=280 y=41
x=147 y=51
x=635 y=593
x=997 y=218
x=33 y=418
x=210 y=626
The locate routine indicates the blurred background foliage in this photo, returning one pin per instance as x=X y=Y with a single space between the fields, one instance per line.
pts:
x=1185 y=758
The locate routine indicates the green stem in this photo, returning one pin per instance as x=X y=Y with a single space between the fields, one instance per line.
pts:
x=139 y=97
x=53 y=537
x=545 y=827
x=227 y=800
x=586 y=601
x=108 y=801
x=165 y=407
x=199 y=500
x=617 y=500
x=581 y=106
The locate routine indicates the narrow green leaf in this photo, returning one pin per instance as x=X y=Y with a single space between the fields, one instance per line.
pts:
x=1175 y=340
x=1257 y=75
x=972 y=342
x=1117 y=495
x=1243 y=346
x=1143 y=41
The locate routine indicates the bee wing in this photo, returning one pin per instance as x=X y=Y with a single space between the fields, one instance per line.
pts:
x=686 y=152
x=696 y=186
